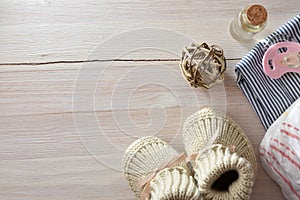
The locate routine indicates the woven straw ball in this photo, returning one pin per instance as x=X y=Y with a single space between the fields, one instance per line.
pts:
x=200 y=127
x=203 y=65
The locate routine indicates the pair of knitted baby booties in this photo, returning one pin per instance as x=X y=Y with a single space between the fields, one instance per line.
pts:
x=224 y=169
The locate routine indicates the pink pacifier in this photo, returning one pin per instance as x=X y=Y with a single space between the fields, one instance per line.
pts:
x=281 y=58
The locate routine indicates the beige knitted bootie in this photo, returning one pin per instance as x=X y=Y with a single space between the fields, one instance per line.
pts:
x=224 y=161
x=223 y=175
x=202 y=126
x=155 y=170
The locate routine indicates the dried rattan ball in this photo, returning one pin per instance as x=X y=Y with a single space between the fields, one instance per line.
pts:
x=203 y=65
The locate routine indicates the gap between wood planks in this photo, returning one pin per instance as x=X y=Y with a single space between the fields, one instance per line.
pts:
x=89 y=61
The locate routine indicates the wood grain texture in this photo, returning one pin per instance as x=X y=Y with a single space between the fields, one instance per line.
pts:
x=45 y=31
x=51 y=150
x=64 y=126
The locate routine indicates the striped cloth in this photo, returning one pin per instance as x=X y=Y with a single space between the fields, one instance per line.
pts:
x=269 y=97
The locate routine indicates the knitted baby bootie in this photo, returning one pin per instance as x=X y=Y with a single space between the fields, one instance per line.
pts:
x=155 y=170
x=222 y=156
x=204 y=125
x=223 y=175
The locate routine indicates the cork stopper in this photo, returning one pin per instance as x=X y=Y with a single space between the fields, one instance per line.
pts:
x=256 y=14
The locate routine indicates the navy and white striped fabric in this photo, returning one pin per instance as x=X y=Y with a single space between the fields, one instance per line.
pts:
x=269 y=97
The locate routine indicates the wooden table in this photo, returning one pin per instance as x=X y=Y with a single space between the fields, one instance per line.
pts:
x=81 y=80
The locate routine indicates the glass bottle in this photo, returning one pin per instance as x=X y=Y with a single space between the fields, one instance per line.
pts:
x=250 y=21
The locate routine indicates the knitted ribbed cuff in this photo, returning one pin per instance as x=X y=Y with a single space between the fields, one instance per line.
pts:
x=174 y=183
x=221 y=174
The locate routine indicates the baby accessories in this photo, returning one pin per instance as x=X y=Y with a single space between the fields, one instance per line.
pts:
x=221 y=155
x=269 y=97
x=220 y=165
x=154 y=170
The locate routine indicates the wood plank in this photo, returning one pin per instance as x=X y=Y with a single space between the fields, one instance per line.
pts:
x=53 y=150
x=47 y=31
